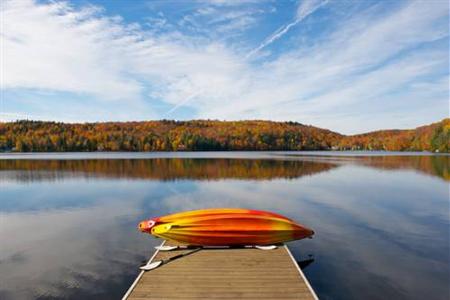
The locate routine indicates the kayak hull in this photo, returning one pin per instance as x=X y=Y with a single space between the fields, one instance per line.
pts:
x=226 y=227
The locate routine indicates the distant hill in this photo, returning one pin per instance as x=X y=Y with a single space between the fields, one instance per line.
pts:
x=210 y=135
x=433 y=137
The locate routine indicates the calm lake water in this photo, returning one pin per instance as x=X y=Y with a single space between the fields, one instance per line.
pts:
x=68 y=222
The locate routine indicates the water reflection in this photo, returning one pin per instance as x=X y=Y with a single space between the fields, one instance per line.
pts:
x=382 y=225
x=436 y=165
x=213 y=169
x=161 y=169
x=303 y=264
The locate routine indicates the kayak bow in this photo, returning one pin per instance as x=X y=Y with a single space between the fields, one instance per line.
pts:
x=226 y=227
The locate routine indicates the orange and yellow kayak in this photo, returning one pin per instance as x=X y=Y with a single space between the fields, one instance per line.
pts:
x=226 y=227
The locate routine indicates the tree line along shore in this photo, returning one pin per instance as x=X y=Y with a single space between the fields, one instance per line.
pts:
x=211 y=135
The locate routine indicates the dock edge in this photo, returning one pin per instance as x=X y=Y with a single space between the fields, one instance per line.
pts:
x=301 y=273
x=130 y=289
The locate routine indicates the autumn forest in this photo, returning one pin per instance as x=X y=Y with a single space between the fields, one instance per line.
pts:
x=211 y=135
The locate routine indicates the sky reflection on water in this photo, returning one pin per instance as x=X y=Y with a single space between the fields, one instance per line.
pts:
x=382 y=225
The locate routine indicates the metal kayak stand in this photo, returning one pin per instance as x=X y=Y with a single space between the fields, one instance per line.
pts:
x=184 y=247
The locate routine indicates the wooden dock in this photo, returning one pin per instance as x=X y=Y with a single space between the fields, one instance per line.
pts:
x=223 y=274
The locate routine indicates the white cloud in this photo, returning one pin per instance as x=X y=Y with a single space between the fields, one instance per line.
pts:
x=57 y=48
x=305 y=8
x=225 y=22
x=361 y=62
x=229 y=2
x=349 y=69
x=54 y=47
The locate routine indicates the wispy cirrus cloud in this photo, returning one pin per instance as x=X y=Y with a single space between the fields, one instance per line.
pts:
x=365 y=60
x=58 y=48
x=305 y=8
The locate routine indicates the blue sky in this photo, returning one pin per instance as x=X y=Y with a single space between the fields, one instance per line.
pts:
x=350 y=66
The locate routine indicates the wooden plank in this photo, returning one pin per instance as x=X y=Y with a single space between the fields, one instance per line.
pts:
x=223 y=274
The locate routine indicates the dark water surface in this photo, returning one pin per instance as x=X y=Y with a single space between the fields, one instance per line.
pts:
x=68 y=222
